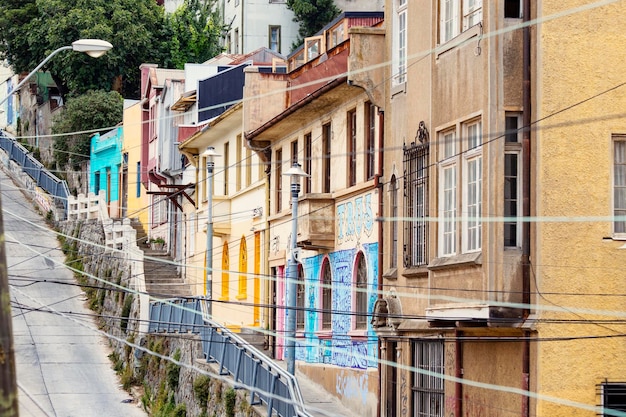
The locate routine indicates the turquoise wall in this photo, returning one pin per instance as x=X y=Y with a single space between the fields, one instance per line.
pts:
x=106 y=154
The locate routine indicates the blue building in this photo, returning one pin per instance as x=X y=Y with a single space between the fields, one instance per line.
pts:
x=104 y=167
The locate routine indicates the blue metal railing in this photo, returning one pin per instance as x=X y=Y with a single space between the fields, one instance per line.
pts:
x=233 y=355
x=35 y=169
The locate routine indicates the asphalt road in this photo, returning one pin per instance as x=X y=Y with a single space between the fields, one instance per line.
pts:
x=62 y=364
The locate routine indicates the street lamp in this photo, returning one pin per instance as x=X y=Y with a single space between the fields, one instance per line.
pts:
x=93 y=47
x=210 y=153
x=295 y=173
x=8 y=380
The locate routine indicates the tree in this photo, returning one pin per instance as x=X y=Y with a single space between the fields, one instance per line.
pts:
x=312 y=16
x=195 y=32
x=93 y=110
x=139 y=31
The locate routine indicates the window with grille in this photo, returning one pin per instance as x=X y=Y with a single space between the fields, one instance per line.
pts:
x=307 y=162
x=613 y=396
x=326 y=134
x=361 y=292
x=327 y=296
x=427 y=381
x=279 y=180
x=393 y=200
x=416 y=204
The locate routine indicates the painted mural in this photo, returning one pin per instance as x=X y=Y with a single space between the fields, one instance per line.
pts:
x=355 y=218
x=341 y=349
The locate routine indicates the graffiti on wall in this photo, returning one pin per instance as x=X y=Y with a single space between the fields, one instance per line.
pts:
x=355 y=218
x=352 y=387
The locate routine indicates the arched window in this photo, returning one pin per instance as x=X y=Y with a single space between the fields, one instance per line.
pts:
x=243 y=269
x=360 y=304
x=327 y=296
x=225 y=269
x=300 y=299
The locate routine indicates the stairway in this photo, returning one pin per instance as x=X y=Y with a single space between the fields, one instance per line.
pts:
x=161 y=274
x=162 y=277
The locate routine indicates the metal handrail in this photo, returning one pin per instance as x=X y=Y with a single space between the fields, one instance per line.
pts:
x=168 y=320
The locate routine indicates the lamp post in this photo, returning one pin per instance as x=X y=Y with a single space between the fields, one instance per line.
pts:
x=95 y=48
x=295 y=173
x=210 y=154
x=8 y=380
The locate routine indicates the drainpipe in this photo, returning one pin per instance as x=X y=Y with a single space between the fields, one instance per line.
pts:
x=526 y=147
x=458 y=367
x=379 y=186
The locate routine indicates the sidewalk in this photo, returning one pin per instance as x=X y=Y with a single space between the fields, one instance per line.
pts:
x=318 y=401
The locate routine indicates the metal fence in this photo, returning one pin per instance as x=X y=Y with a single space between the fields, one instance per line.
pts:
x=272 y=385
x=35 y=169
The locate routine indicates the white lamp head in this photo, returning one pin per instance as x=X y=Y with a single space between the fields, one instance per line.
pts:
x=210 y=152
x=95 y=48
x=296 y=172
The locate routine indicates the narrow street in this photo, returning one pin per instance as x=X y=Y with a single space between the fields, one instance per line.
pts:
x=62 y=364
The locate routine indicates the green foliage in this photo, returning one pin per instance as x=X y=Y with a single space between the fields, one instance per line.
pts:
x=93 y=110
x=230 y=397
x=139 y=30
x=195 y=31
x=202 y=390
x=312 y=16
x=128 y=303
x=172 y=371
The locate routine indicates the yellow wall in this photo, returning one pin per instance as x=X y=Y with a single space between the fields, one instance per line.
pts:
x=137 y=206
x=578 y=57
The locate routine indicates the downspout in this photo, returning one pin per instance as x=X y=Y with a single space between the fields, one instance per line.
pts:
x=526 y=147
x=379 y=186
x=242 y=31
x=267 y=318
x=458 y=373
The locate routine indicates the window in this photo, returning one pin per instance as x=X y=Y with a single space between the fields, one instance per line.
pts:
x=300 y=300
x=619 y=185
x=326 y=133
x=307 y=162
x=428 y=386
x=236 y=40
x=370 y=140
x=512 y=9
x=294 y=152
x=226 y=167
x=274 y=38
x=416 y=204
x=512 y=182
x=351 y=148
x=248 y=165
x=96 y=183
x=472 y=184
x=448 y=194
x=360 y=303
x=279 y=180
x=461 y=163
x=393 y=200
x=613 y=397
x=240 y=165
x=399 y=42
x=456 y=16
x=243 y=270
x=327 y=296
x=138 y=191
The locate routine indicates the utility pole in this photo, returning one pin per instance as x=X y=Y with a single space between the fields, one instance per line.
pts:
x=8 y=379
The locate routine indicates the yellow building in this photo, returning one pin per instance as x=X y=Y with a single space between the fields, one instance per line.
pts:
x=579 y=257
x=134 y=200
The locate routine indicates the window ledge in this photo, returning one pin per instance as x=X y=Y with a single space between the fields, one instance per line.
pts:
x=416 y=272
x=391 y=273
x=459 y=40
x=324 y=334
x=358 y=334
x=398 y=88
x=465 y=259
x=242 y=297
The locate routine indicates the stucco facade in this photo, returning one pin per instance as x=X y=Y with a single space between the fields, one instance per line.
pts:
x=105 y=164
x=579 y=256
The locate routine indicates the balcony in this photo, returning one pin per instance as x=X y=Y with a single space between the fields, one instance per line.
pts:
x=316 y=225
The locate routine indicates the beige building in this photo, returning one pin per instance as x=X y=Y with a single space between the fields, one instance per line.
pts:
x=484 y=313
x=239 y=222
x=315 y=117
